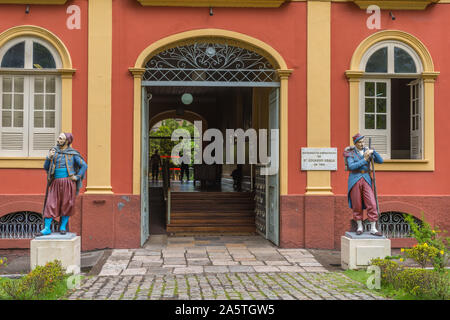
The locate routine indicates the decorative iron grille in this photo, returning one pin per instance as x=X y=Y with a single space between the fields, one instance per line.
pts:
x=393 y=225
x=23 y=225
x=212 y=62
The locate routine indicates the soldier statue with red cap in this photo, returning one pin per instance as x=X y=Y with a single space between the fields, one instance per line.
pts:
x=65 y=172
x=360 y=192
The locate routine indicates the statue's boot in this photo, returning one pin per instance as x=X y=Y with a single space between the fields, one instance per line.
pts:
x=46 y=230
x=373 y=229
x=62 y=227
x=360 y=229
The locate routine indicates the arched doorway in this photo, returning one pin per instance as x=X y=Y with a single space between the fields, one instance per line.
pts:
x=216 y=60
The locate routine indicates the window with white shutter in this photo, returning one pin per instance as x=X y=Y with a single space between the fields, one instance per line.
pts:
x=30 y=98
x=390 y=113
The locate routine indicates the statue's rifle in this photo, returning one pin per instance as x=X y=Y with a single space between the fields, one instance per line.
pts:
x=374 y=184
x=49 y=181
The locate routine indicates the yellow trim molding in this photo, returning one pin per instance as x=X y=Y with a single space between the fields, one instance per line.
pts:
x=396 y=4
x=216 y=35
x=318 y=90
x=214 y=3
x=66 y=74
x=33 y=1
x=428 y=75
x=99 y=96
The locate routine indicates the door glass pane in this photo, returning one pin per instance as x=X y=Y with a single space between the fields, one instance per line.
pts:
x=377 y=61
x=50 y=102
x=370 y=105
x=381 y=89
x=381 y=121
x=370 y=121
x=15 y=57
x=38 y=119
x=381 y=105
x=50 y=119
x=18 y=119
x=7 y=101
x=18 y=84
x=370 y=89
x=42 y=58
x=39 y=101
x=403 y=62
x=6 y=119
x=50 y=85
x=7 y=84
x=39 y=85
x=18 y=101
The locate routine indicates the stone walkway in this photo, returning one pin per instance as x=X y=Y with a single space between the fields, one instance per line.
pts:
x=195 y=255
x=227 y=267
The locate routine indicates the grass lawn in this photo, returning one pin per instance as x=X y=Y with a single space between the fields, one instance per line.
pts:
x=58 y=292
x=386 y=291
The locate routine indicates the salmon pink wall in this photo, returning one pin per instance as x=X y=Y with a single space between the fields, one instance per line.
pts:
x=348 y=30
x=53 y=19
x=136 y=27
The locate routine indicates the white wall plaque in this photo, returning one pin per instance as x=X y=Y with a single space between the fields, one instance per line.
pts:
x=319 y=158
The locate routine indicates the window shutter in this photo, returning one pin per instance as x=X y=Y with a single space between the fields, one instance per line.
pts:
x=44 y=115
x=13 y=116
x=416 y=127
x=375 y=117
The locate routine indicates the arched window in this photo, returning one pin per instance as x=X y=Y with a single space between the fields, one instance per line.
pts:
x=30 y=97
x=391 y=100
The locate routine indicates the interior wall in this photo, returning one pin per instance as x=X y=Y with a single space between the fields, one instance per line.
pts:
x=400 y=118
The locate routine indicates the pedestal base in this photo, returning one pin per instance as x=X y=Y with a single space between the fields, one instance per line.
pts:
x=357 y=251
x=65 y=248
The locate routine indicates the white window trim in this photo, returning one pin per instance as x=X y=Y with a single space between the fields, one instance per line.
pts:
x=372 y=76
x=28 y=65
x=28 y=129
x=390 y=54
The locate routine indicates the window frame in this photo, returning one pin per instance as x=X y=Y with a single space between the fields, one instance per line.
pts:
x=386 y=77
x=28 y=63
x=429 y=75
x=28 y=130
x=65 y=73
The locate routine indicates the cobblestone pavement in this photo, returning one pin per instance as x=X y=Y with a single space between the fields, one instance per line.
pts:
x=227 y=267
x=224 y=286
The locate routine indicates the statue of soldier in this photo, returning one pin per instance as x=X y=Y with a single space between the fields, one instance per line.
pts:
x=65 y=172
x=360 y=192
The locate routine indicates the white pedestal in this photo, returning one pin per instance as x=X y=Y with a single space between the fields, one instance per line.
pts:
x=357 y=251
x=65 y=248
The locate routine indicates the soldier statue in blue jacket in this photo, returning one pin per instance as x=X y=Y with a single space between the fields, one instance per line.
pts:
x=360 y=192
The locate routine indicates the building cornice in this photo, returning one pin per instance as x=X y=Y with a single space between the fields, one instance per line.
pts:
x=396 y=4
x=33 y=2
x=214 y=3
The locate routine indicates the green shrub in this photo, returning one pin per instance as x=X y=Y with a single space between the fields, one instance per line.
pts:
x=417 y=282
x=424 y=234
x=423 y=283
x=389 y=270
x=422 y=254
x=3 y=262
x=38 y=282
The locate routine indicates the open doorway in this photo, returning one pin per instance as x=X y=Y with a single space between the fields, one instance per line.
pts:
x=211 y=198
